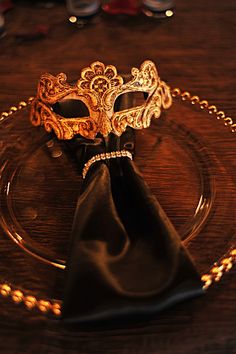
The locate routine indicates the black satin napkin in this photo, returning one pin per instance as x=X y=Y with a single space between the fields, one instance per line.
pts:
x=126 y=260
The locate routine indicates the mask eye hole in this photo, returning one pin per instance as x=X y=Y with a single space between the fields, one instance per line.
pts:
x=130 y=100
x=71 y=108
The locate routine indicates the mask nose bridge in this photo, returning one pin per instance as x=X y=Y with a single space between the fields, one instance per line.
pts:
x=104 y=120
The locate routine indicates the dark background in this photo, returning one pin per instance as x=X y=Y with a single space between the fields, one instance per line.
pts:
x=194 y=50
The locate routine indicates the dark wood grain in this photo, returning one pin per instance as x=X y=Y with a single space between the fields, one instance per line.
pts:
x=194 y=50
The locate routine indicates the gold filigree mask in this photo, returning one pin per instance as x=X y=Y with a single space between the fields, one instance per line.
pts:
x=98 y=88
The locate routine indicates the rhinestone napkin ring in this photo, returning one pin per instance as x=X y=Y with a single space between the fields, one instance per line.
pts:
x=105 y=156
x=98 y=88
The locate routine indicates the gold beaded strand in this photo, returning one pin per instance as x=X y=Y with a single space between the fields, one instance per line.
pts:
x=204 y=105
x=30 y=301
x=14 y=109
x=219 y=268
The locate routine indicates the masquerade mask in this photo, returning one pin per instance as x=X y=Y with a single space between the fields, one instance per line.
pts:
x=125 y=260
x=98 y=89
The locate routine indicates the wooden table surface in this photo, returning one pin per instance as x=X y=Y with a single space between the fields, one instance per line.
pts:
x=194 y=50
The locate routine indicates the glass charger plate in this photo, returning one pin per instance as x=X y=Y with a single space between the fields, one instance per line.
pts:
x=186 y=158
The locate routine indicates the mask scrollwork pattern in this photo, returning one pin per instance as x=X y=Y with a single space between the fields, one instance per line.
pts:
x=98 y=88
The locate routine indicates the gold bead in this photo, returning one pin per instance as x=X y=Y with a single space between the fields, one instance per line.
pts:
x=56 y=309
x=215 y=270
x=5 y=289
x=218 y=274
x=203 y=104
x=30 y=301
x=228 y=121
x=233 y=252
x=206 y=277
x=233 y=128
x=212 y=109
x=185 y=95
x=176 y=92
x=226 y=260
x=220 y=115
x=195 y=99
x=207 y=284
x=218 y=277
x=30 y=99
x=13 y=109
x=4 y=114
x=17 y=296
x=229 y=266
x=23 y=104
x=44 y=305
